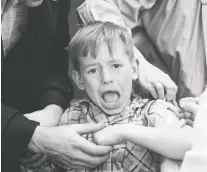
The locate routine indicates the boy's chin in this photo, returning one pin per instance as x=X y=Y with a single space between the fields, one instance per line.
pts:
x=113 y=108
x=112 y=112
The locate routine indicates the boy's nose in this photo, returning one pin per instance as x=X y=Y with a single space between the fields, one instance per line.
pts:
x=106 y=76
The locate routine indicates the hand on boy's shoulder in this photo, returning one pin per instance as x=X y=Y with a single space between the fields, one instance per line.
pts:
x=190 y=106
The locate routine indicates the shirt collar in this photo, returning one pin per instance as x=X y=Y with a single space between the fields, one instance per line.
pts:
x=95 y=114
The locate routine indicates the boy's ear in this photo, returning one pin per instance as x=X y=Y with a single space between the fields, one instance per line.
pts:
x=135 y=69
x=78 y=80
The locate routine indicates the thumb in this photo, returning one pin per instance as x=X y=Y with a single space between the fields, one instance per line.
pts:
x=189 y=99
x=89 y=128
x=189 y=106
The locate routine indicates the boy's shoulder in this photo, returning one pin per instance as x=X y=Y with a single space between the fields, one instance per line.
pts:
x=151 y=111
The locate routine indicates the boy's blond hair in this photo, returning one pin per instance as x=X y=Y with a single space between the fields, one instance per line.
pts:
x=88 y=38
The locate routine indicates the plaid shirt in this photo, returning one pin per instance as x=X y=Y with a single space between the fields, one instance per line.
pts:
x=14 y=20
x=125 y=157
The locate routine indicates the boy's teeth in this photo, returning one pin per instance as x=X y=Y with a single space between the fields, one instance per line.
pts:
x=110 y=97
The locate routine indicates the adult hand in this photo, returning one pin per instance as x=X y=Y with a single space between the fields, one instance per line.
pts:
x=65 y=145
x=154 y=80
x=189 y=107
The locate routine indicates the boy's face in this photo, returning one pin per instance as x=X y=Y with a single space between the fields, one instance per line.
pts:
x=106 y=79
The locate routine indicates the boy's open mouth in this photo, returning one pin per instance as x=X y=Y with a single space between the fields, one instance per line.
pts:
x=110 y=97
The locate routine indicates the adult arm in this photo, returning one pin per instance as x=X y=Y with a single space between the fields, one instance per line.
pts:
x=15 y=128
x=126 y=14
x=35 y=72
x=16 y=134
x=196 y=159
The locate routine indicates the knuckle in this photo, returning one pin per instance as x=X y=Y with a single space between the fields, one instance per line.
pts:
x=159 y=85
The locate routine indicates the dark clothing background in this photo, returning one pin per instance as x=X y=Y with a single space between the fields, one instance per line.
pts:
x=34 y=75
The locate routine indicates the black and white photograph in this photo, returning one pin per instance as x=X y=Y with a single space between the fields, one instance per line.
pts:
x=104 y=85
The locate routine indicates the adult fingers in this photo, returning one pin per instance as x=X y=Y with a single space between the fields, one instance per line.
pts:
x=32 y=158
x=37 y=163
x=88 y=128
x=188 y=115
x=189 y=106
x=91 y=148
x=189 y=122
x=92 y=161
x=173 y=108
x=170 y=88
x=160 y=90
x=82 y=161
x=189 y=99
x=151 y=88
x=71 y=164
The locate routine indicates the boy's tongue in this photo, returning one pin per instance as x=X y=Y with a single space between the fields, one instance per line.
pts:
x=110 y=97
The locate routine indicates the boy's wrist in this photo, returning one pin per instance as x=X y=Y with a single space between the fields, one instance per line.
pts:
x=124 y=131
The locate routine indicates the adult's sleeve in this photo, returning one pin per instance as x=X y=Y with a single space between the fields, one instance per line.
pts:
x=36 y=70
x=54 y=86
x=17 y=131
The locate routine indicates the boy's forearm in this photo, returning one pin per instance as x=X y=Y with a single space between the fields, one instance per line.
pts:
x=167 y=142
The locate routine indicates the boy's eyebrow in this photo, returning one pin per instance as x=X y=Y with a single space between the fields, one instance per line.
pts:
x=115 y=60
x=92 y=64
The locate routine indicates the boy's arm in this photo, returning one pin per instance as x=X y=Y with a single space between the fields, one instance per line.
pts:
x=167 y=142
x=168 y=119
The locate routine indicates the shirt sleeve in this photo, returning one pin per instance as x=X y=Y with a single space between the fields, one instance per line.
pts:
x=158 y=114
x=15 y=138
x=121 y=12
